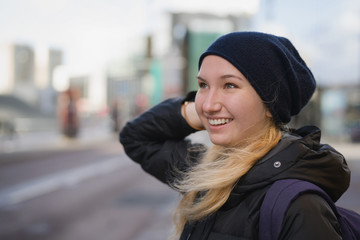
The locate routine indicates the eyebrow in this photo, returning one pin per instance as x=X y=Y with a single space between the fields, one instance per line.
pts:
x=200 y=78
x=224 y=77
x=231 y=76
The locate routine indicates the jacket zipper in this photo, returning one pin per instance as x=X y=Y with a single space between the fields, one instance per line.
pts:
x=188 y=237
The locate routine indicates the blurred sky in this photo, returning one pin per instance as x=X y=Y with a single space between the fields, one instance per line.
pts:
x=326 y=31
x=90 y=32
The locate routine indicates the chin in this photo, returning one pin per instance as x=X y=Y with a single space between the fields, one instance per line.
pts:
x=219 y=142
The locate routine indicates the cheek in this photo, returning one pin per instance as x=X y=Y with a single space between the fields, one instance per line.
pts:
x=249 y=107
x=258 y=111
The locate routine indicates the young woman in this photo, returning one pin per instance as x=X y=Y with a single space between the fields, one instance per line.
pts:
x=250 y=84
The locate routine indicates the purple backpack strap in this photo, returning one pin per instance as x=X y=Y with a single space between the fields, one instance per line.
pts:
x=277 y=201
x=349 y=222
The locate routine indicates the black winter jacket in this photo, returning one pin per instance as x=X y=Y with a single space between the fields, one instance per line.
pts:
x=157 y=141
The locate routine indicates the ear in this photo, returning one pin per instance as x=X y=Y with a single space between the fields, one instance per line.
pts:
x=268 y=114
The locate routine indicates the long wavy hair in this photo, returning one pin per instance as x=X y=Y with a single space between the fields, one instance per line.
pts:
x=208 y=184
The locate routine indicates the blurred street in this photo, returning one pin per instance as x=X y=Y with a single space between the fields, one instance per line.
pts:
x=87 y=189
x=81 y=190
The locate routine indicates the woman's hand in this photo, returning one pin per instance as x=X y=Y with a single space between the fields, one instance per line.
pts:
x=192 y=118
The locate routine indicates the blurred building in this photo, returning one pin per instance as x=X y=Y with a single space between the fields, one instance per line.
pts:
x=47 y=94
x=24 y=71
x=340 y=108
x=17 y=72
x=26 y=90
x=166 y=65
x=336 y=110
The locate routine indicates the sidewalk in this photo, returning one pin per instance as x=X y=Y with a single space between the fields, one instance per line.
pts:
x=53 y=139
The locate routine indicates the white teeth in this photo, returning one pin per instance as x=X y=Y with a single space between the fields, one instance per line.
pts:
x=215 y=122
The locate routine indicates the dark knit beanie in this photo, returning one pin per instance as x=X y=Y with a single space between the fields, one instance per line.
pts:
x=273 y=67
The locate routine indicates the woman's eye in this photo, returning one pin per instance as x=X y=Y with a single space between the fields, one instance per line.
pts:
x=202 y=85
x=230 y=85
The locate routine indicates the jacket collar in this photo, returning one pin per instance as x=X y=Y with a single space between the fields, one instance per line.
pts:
x=298 y=155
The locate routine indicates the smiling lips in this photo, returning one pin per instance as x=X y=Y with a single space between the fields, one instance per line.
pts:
x=222 y=121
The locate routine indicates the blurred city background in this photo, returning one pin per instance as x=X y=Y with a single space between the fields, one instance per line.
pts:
x=73 y=72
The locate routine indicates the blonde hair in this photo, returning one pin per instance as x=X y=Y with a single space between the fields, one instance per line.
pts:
x=207 y=186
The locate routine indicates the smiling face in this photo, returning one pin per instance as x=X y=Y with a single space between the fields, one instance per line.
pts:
x=227 y=104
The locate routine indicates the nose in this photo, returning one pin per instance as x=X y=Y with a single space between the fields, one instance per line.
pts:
x=212 y=102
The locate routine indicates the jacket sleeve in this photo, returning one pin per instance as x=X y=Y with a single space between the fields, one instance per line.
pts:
x=156 y=139
x=310 y=217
